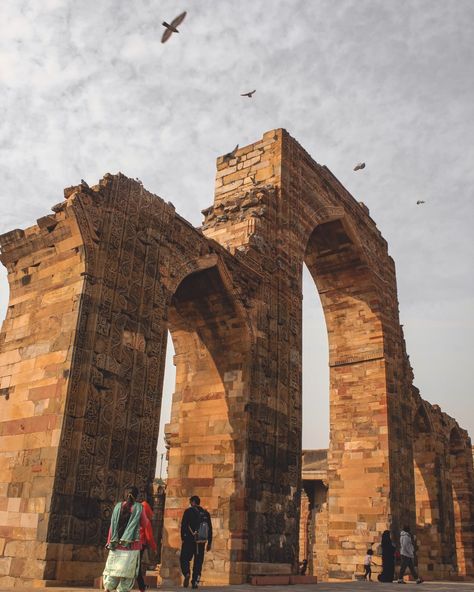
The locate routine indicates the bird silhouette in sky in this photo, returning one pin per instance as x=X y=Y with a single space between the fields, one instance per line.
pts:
x=419 y=202
x=248 y=94
x=231 y=155
x=359 y=166
x=172 y=28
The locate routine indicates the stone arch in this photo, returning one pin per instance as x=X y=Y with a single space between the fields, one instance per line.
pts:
x=431 y=524
x=348 y=295
x=202 y=263
x=461 y=477
x=212 y=342
x=351 y=305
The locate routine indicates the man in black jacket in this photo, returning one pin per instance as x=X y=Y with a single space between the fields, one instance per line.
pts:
x=196 y=537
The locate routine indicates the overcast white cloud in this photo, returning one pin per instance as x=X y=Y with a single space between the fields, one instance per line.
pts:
x=87 y=88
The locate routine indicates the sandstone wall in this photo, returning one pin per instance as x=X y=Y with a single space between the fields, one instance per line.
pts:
x=46 y=275
x=444 y=479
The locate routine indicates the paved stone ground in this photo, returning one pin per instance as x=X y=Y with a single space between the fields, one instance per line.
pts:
x=322 y=587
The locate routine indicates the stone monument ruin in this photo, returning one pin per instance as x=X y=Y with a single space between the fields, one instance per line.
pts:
x=94 y=288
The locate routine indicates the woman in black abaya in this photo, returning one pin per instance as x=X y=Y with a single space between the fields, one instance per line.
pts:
x=388 y=558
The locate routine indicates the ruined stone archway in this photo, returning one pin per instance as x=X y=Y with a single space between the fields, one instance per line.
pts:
x=95 y=286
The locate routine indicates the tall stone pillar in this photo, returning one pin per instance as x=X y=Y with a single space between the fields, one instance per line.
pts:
x=46 y=274
x=81 y=366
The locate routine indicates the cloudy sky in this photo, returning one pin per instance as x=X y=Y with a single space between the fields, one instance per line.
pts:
x=87 y=88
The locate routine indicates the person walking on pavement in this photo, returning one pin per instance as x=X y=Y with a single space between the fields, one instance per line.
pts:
x=407 y=554
x=196 y=537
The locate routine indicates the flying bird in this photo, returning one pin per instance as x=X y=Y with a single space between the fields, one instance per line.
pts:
x=172 y=28
x=248 y=94
x=420 y=201
x=231 y=155
x=359 y=166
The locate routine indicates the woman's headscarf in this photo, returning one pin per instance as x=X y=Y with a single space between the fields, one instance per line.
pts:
x=147 y=509
x=125 y=522
x=386 y=541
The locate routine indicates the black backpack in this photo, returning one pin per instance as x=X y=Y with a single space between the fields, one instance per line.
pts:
x=202 y=533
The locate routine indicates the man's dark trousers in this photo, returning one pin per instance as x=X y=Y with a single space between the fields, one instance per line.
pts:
x=190 y=549
x=407 y=562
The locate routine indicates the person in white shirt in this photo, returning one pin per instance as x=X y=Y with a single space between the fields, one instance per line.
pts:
x=368 y=565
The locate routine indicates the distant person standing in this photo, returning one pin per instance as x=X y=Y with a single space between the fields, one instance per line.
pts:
x=407 y=556
x=196 y=537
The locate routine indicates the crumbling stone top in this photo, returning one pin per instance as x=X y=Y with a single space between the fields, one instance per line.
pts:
x=315 y=460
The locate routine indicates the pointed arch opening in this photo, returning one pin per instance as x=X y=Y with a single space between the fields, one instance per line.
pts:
x=351 y=307
x=461 y=474
x=205 y=434
x=431 y=526
x=315 y=433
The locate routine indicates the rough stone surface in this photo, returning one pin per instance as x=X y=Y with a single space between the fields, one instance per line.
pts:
x=96 y=285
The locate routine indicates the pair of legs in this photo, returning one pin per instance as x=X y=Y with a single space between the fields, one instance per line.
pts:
x=367 y=572
x=121 y=569
x=119 y=584
x=124 y=584
x=408 y=562
x=190 y=550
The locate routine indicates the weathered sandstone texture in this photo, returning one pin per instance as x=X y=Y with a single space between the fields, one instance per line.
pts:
x=94 y=288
